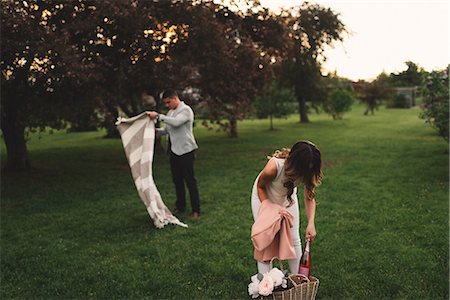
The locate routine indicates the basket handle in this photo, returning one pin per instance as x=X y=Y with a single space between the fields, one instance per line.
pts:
x=280 y=263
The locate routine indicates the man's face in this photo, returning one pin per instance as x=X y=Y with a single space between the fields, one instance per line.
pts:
x=171 y=103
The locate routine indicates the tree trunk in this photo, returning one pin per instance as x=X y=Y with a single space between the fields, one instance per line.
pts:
x=84 y=123
x=110 y=122
x=366 y=112
x=159 y=148
x=233 y=127
x=303 y=111
x=271 y=122
x=158 y=145
x=14 y=136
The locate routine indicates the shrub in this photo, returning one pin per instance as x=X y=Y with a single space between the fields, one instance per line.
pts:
x=338 y=102
x=397 y=101
x=435 y=91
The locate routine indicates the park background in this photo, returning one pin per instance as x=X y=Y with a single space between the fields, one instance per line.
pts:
x=72 y=225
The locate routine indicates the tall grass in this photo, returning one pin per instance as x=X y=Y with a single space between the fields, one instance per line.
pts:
x=74 y=227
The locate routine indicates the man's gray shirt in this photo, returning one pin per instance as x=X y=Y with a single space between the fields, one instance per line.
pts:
x=178 y=125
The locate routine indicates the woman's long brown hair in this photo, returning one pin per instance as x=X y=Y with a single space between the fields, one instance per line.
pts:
x=303 y=162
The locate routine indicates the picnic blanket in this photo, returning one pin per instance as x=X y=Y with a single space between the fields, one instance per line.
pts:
x=138 y=137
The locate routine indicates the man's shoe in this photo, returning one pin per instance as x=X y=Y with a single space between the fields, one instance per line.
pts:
x=177 y=212
x=194 y=216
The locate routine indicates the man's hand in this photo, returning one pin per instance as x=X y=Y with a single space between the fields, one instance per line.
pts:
x=152 y=114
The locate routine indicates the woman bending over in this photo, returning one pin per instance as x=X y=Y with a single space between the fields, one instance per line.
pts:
x=278 y=181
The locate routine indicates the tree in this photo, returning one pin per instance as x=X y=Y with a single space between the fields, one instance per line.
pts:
x=313 y=28
x=412 y=76
x=372 y=93
x=233 y=53
x=66 y=60
x=274 y=101
x=134 y=43
x=39 y=66
x=435 y=90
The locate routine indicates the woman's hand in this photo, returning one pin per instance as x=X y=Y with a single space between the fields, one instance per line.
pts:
x=310 y=232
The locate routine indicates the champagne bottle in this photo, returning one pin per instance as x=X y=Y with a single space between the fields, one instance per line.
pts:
x=305 y=262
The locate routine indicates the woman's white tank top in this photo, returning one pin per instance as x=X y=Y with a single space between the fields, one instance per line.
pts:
x=276 y=190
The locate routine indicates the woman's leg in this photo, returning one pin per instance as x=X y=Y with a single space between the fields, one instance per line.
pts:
x=293 y=263
x=263 y=267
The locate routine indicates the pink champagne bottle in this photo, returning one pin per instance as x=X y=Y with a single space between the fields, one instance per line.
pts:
x=305 y=262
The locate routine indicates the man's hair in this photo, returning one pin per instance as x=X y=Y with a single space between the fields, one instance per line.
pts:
x=169 y=93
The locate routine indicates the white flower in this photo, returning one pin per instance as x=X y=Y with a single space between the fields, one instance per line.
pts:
x=263 y=285
x=254 y=278
x=277 y=276
x=253 y=289
x=266 y=285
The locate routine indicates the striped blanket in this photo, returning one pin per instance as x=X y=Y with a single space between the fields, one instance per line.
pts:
x=138 y=137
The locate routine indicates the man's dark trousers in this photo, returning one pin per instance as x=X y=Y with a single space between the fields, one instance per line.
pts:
x=182 y=167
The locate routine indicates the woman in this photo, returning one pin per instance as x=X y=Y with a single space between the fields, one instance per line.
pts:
x=278 y=183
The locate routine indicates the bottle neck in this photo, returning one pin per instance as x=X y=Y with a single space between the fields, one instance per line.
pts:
x=308 y=245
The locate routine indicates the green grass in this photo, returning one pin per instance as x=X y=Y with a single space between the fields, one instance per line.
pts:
x=74 y=227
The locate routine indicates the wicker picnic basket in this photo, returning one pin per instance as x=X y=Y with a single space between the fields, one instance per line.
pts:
x=304 y=288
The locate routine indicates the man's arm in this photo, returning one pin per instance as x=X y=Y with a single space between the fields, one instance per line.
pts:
x=178 y=120
x=183 y=117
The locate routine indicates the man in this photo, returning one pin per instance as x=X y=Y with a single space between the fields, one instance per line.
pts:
x=181 y=149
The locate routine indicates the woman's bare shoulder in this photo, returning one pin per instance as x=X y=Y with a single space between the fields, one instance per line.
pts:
x=270 y=170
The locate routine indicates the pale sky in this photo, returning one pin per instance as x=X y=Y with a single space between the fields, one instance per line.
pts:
x=385 y=34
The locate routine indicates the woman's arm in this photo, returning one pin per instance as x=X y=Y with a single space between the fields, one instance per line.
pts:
x=267 y=175
x=310 y=208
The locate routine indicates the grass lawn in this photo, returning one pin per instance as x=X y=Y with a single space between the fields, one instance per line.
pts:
x=74 y=227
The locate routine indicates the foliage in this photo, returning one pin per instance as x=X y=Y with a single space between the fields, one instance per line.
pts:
x=71 y=61
x=384 y=79
x=39 y=65
x=338 y=102
x=333 y=81
x=435 y=90
x=68 y=61
x=372 y=93
x=90 y=237
x=274 y=101
x=313 y=28
x=79 y=62
x=397 y=101
x=412 y=76
x=235 y=53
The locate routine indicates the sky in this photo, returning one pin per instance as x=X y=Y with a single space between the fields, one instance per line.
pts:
x=384 y=35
